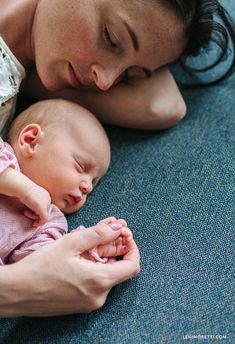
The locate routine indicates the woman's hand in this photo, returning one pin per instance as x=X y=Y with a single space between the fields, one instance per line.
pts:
x=56 y=280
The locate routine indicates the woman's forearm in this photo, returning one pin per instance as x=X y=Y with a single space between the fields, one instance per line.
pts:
x=9 y=291
x=152 y=103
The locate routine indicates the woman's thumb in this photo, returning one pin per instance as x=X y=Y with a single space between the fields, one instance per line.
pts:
x=99 y=234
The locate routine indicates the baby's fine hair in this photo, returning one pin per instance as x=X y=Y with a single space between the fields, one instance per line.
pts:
x=49 y=114
x=205 y=22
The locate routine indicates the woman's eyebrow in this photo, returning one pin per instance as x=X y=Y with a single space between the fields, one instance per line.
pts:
x=133 y=36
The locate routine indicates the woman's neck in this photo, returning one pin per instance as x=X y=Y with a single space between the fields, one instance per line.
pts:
x=16 y=27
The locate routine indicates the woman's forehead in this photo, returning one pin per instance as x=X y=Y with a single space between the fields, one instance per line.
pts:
x=153 y=27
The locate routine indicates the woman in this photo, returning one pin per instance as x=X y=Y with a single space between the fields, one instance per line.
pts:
x=77 y=49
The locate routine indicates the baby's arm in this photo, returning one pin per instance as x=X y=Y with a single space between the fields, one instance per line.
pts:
x=15 y=184
x=41 y=238
x=56 y=227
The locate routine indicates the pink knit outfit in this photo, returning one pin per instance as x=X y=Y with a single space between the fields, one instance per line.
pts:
x=18 y=237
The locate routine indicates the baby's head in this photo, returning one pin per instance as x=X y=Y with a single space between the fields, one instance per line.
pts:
x=63 y=148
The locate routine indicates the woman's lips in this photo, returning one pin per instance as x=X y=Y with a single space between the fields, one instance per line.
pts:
x=73 y=79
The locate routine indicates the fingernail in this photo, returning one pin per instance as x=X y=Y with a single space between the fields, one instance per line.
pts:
x=115 y=225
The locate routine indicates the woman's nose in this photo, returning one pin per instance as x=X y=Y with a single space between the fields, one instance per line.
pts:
x=85 y=186
x=104 y=78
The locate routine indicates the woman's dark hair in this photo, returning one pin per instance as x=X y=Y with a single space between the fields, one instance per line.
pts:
x=206 y=22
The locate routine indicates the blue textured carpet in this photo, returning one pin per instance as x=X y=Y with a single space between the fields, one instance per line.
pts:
x=177 y=191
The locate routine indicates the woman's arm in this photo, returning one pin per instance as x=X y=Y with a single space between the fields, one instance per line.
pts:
x=152 y=103
x=38 y=286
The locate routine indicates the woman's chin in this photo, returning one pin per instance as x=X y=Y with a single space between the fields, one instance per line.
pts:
x=52 y=85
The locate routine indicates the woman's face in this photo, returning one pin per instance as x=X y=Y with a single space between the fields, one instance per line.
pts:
x=95 y=43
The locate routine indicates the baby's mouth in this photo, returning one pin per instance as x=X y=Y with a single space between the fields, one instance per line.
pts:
x=72 y=200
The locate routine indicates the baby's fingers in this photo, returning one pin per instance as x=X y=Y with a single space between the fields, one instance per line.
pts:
x=43 y=213
x=126 y=268
x=38 y=220
x=31 y=214
x=42 y=218
x=126 y=232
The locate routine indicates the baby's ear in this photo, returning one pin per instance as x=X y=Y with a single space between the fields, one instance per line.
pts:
x=29 y=138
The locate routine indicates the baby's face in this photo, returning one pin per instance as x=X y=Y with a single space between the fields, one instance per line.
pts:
x=70 y=164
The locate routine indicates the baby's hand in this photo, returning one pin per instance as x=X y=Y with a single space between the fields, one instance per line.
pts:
x=115 y=248
x=38 y=202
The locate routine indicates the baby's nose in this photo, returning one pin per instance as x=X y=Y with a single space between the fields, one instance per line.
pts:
x=85 y=187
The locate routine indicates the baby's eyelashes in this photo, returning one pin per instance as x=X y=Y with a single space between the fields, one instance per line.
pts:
x=79 y=167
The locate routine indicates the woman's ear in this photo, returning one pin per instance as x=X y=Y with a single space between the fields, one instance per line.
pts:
x=29 y=138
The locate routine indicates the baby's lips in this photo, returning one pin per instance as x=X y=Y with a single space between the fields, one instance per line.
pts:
x=116 y=225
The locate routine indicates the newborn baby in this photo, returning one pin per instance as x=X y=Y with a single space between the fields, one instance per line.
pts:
x=56 y=154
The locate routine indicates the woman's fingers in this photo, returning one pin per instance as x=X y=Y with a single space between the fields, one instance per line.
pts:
x=99 y=234
x=104 y=276
x=108 y=219
x=124 y=269
x=112 y=218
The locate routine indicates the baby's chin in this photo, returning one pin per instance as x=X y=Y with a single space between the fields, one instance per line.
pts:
x=67 y=208
x=70 y=210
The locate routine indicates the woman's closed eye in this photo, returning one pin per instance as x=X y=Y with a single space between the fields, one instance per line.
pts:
x=110 y=38
x=135 y=72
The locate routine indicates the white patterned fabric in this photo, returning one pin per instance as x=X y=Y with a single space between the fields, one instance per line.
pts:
x=11 y=75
